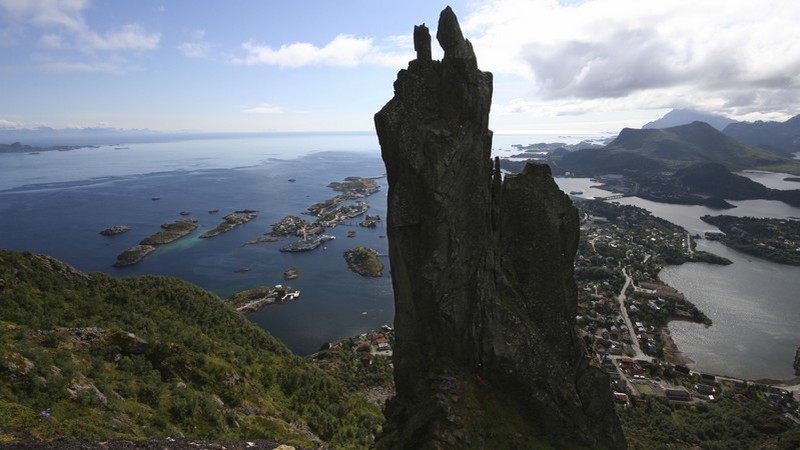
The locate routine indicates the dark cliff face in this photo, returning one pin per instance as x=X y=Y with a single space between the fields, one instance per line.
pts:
x=486 y=352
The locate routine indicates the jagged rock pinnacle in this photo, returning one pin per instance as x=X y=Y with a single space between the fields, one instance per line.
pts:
x=486 y=352
x=422 y=42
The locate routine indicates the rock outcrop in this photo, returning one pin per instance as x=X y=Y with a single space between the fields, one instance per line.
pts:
x=486 y=352
x=797 y=362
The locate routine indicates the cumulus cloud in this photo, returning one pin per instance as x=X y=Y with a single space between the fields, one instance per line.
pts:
x=64 y=29
x=342 y=51
x=625 y=51
x=263 y=108
x=8 y=124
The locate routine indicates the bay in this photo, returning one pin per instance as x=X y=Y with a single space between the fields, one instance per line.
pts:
x=78 y=196
x=56 y=202
x=755 y=308
x=752 y=303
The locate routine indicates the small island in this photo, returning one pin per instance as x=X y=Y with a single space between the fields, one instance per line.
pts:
x=370 y=221
x=306 y=245
x=170 y=232
x=115 y=230
x=292 y=225
x=331 y=212
x=18 y=147
x=364 y=261
x=291 y=273
x=777 y=240
x=133 y=255
x=230 y=222
x=261 y=240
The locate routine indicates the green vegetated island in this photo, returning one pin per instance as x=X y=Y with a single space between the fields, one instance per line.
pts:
x=777 y=240
x=170 y=232
x=231 y=221
x=364 y=261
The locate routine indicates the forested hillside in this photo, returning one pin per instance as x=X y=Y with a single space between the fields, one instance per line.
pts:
x=92 y=356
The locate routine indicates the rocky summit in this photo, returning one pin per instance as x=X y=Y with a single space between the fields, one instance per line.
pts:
x=487 y=354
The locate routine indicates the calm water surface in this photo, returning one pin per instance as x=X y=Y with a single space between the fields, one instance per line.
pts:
x=65 y=198
x=753 y=303
x=57 y=202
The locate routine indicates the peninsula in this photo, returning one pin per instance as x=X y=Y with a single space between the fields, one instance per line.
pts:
x=777 y=240
x=252 y=300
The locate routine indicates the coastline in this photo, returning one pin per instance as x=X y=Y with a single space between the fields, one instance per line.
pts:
x=671 y=351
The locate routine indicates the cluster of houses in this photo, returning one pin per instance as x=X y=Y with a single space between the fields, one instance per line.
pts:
x=374 y=342
x=641 y=244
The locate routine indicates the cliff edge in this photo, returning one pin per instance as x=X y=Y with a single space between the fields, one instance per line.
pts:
x=486 y=352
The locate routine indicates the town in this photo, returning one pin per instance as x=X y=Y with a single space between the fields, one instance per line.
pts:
x=623 y=312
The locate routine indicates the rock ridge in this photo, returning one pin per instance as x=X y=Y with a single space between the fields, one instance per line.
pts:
x=486 y=352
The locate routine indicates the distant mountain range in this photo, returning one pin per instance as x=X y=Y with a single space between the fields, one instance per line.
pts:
x=783 y=137
x=686 y=116
x=779 y=136
x=674 y=148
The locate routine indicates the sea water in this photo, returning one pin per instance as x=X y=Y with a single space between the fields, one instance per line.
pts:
x=56 y=203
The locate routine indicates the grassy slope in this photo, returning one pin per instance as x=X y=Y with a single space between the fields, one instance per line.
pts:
x=192 y=366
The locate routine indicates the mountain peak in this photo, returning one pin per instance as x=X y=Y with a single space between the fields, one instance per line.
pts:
x=686 y=116
x=482 y=272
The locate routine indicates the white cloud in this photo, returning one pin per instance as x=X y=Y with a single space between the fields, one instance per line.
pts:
x=115 y=68
x=197 y=47
x=7 y=124
x=46 y=13
x=128 y=37
x=65 y=32
x=343 y=51
x=733 y=57
x=263 y=108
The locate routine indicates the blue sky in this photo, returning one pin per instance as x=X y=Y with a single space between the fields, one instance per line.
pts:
x=569 y=66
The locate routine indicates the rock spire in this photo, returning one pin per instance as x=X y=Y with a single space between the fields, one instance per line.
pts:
x=486 y=352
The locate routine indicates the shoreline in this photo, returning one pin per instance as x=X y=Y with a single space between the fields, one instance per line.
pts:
x=671 y=351
x=675 y=356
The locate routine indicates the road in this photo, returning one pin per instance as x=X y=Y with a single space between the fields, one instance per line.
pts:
x=638 y=353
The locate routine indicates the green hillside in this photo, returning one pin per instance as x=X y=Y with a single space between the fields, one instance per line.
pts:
x=152 y=356
x=674 y=148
